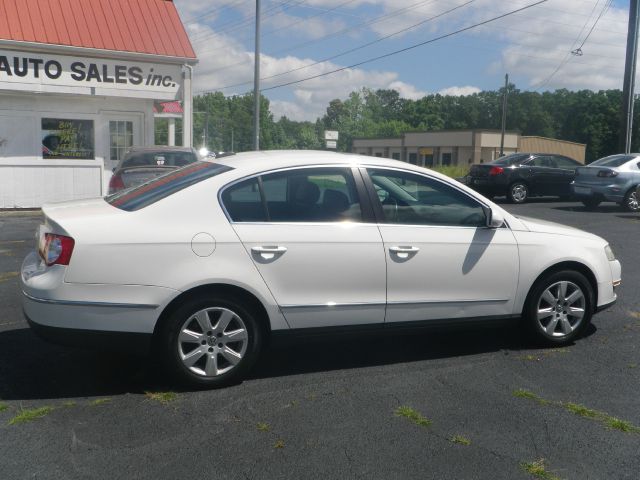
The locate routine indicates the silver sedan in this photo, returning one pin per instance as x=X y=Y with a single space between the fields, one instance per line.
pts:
x=610 y=179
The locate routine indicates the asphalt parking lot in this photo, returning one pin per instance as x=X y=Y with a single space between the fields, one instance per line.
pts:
x=458 y=405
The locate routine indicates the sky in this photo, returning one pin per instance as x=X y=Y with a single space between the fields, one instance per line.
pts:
x=306 y=38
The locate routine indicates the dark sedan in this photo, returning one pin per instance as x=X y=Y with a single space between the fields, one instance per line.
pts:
x=523 y=175
x=141 y=164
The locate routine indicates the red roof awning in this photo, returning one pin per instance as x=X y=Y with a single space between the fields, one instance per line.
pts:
x=137 y=26
x=167 y=107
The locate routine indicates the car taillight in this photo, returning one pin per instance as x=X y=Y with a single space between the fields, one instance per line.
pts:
x=116 y=184
x=57 y=249
x=607 y=173
x=496 y=171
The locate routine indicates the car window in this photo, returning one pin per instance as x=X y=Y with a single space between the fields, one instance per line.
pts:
x=244 y=203
x=540 y=162
x=161 y=187
x=511 y=159
x=312 y=195
x=612 y=161
x=564 y=162
x=412 y=199
x=167 y=159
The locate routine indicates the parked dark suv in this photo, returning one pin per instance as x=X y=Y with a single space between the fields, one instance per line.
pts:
x=523 y=175
x=141 y=164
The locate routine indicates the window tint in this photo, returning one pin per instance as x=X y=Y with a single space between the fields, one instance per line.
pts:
x=416 y=200
x=243 y=202
x=564 y=162
x=511 y=159
x=171 y=159
x=612 y=161
x=312 y=195
x=540 y=162
x=160 y=187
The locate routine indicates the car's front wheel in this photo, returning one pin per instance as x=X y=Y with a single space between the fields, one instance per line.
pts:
x=211 y=342
x=518 y=192
x=559 y=307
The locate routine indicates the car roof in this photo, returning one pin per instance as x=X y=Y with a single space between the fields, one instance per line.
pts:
x=159 y=148
x=274 y=159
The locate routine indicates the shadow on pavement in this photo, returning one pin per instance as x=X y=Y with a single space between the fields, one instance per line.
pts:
x=599 y=209
x=33 y=369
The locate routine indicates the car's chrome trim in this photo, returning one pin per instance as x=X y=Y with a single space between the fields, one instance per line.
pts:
x=334 y=305
x=440 y=302
x=391 y=303
x=141 y=306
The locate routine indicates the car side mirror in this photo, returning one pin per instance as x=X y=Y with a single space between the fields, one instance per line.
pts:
x=494 y=218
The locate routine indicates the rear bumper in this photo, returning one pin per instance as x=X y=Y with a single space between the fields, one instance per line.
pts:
x=611 y=193
x=136 y=343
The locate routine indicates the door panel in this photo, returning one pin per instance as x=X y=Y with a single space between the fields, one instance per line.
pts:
x=455 y=273
x=442 y=261
x=304 y=231
x=324 y=275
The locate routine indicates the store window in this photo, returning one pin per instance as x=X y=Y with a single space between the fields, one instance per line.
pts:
x=120 y=138
x=67 y=139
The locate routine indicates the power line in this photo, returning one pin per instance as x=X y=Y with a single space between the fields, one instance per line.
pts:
x=578 y=51
x=209 y=13
x=315 y=41
x=351 y=50
x=411 y=47
x=568 y=56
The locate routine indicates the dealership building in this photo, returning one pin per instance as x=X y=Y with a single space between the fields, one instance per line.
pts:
x=461 y=147
x=81 y=82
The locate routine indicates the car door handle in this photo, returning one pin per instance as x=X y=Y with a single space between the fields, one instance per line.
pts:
x=404 y=251
x=268 y=252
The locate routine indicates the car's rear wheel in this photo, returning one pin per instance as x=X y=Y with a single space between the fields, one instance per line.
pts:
x=559 y=307
x=211 y=342
x=591 y=202
x=631 y=201
x=518 y=192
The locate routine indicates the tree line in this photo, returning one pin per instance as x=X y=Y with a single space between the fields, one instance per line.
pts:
x=226 y=123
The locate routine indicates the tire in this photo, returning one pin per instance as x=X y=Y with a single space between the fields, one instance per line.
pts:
x=591 y=203
x=211 y=342
x=518 y=192
x=555 y=323
x=631 y=201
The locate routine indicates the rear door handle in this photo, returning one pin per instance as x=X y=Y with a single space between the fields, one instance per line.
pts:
x=404 y=251
x=269 y=252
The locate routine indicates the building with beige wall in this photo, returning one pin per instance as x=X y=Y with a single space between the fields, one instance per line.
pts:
x=460 y=147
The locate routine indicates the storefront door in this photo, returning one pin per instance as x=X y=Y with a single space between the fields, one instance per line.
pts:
x=123 y=132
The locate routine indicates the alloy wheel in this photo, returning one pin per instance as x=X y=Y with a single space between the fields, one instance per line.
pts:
x=519 y=192
x=212 y=341
x=632 y=202
x=561 y=308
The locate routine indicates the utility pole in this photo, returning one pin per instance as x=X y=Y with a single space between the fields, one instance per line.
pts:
x=629 y=77
x=504 y=113
x=256 y=83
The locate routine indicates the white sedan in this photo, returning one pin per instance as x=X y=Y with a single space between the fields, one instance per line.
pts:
x=207 y=262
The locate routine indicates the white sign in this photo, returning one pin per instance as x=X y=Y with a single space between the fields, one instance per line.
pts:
x=90 y=76
x=331 y=135
x=332 y=144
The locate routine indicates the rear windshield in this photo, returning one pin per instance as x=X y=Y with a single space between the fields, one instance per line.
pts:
x=510 y=159
x=167 y=159
x=612 y=161
x=161 y=187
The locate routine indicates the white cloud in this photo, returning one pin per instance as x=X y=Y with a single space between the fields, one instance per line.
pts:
x=459 y=91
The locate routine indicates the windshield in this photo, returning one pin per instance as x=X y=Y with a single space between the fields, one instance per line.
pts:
x=612 y=161
x=161 y=187
x=167 y=159
x=512 y=159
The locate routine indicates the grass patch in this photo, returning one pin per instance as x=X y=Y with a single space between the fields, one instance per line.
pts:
x=30 y=414
x=453 y=171
x=522 y=393
x=3 y=407
x=413 y=415
x=460 y=440
x=162 y=397
x=582 y=411
x=69 y=403
x=263 y=427
x=539 y=470
x=632 y=365
x=279 y=444
x=99 y=401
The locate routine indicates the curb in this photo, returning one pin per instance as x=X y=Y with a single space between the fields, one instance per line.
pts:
x=20 y=213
